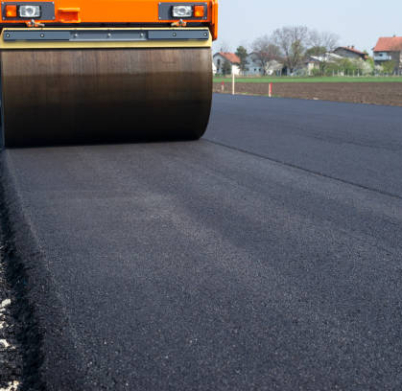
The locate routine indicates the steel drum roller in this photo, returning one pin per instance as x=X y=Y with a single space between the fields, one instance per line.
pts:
x=94 y=96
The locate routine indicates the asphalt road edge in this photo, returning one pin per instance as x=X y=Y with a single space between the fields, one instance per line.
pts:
x=50 y=356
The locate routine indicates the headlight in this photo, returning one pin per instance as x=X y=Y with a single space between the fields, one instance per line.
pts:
x=29 y=11
x=182 y=11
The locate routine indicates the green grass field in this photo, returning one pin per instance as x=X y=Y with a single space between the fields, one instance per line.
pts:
x=295 y=79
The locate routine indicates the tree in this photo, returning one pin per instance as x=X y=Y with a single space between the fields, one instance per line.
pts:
x=265 y=51
x=347 y=66
x=363 y=67
x=388 y=67
x=292 y=40
x=224 y=47
x=370 y=61
x=315 y=51
x=320 y=45
x=325 y=39
x=226 y=68
x=241 y=52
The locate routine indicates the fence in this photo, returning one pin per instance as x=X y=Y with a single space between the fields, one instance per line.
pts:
x=233 y=86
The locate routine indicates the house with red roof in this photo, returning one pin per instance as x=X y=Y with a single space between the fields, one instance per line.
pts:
x=253 y=67
x=389 y=49
x=350 y=52
x=221 y=57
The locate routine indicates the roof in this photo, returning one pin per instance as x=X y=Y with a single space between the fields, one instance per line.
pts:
x=353 y=50
x=327 y=57
x=312 y=59
x=389 y=44
x=231 y=57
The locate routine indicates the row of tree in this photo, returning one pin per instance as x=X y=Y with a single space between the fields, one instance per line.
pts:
x=290 y=45
x=353 y=67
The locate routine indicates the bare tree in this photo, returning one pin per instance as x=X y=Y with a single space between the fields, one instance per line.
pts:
x=265 y=51
x=325 y=39
x=221 y=46
x=292 y=40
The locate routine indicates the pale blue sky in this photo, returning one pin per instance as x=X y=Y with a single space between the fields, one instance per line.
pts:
x=357 y=22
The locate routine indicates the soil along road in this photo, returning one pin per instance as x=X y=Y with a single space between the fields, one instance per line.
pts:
x=267 y=256
x=373 y=93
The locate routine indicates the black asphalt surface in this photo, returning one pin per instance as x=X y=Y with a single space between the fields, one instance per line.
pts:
x=267 y=256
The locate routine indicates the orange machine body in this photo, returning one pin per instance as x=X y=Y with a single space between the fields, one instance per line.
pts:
x=104 y=12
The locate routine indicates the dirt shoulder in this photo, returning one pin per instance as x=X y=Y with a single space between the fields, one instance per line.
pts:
x=372 y=93
x=10 y=349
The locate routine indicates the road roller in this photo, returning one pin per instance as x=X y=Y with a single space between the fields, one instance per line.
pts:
x=107 y=71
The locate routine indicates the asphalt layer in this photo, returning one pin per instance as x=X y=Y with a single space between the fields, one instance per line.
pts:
x=360 y=144
x=266 y=256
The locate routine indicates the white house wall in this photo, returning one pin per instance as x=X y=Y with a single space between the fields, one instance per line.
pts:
x=218 y=61
x=253 y=67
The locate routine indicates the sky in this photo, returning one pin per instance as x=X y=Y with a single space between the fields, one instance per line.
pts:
x=356 y=22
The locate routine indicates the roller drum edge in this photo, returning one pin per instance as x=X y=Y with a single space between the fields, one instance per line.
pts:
x=53 y=97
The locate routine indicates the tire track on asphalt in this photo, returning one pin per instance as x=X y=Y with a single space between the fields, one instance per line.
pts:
x=321 y=174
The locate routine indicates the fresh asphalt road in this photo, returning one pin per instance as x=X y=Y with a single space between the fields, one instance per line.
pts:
x=267 y=256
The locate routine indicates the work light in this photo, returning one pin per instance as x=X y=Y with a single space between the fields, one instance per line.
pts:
x=29 y=11
x=182 y=11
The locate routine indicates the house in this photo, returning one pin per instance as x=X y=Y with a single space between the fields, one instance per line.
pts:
x=314 y=62
x=214 y=70
x=350 y=52
x=389 y=49
x=254 y=67
x=220 y=58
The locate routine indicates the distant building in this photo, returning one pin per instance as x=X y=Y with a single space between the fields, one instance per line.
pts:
x=221 y=57
x=389 y=49
x=254 y=67
x=314 y=62
x=350 y=52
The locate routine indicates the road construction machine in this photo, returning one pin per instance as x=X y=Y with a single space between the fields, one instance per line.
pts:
x=90 y=71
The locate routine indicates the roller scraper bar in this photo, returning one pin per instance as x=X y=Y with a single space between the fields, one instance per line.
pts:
x=34 y=38
x=113 y=35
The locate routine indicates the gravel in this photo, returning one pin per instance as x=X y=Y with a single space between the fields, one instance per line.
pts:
x=10 y=352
